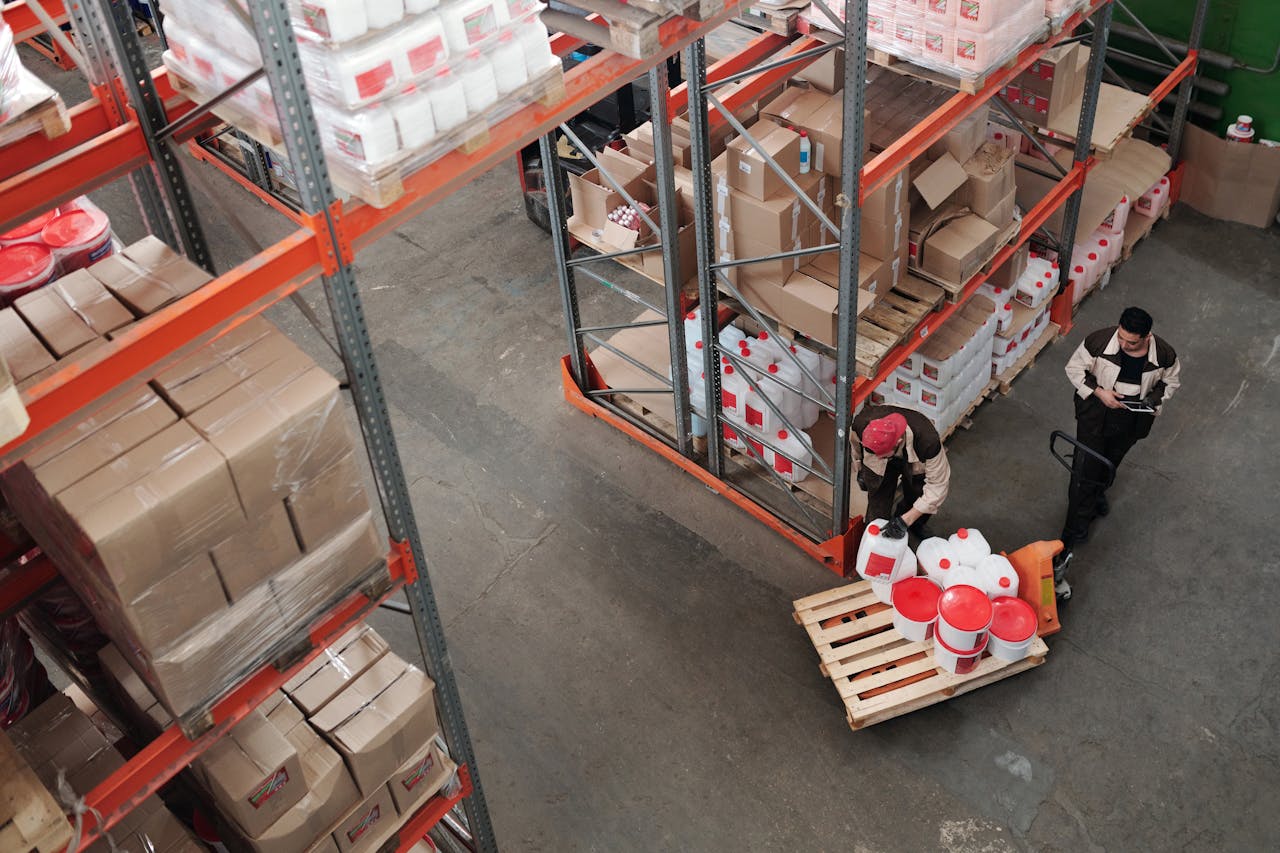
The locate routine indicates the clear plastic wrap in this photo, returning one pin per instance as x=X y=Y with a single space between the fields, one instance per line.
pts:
x=202 y=543
x=1059 y=10
x=20 y=91
x=959 y=38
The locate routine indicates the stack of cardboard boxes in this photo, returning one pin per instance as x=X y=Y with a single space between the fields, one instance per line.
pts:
x=79 y=312
x=207 y=518
x=60 y=743
x=338 y=760
x=1051 y=86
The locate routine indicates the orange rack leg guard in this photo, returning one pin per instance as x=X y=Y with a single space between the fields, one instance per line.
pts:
x=835 y=553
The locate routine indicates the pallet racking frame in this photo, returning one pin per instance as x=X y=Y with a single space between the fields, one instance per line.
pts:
x=127 y=129
x=831 y=540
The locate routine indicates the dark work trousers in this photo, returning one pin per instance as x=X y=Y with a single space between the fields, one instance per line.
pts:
x=1111 y=433
x=881 y=491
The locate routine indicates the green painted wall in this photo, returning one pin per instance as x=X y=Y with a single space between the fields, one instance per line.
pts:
x=1249 y=30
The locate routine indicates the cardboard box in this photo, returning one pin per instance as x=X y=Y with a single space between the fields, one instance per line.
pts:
x=749 y=172
x=874 y=275
x=381 y=716
x=962 y=140
x=733 y=246
x=884 y=239
x=640 y=143
x=253 y=773
x=85 y=295
x=989 y=179
x=793 y=107
x=324 y=575
x=330 y=502
x=21 y=349
x=150 y=253
x=343 y=662
x=826 y=73
x=959 y=249
x=263 y=549
x=939 y=181
x=175 y=604
x=1099 y=198
x=213 y=370
x=594 y=199
x=367 y=824
x=889 y=201
x=161 y=503
x=777 y=222
x=139 y=291
x=1001 y=214
x=1007 y=275
x=131 y=689
x=1051 y=84
x=95 y=442
x=826 y=127
x=419 y=778
x=275 y=430
x=1231 y=181
x=803 y=303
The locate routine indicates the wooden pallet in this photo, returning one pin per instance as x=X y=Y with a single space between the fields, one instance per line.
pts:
x=1136 y=229
x=386 y=186
x=967 y=85
x=1003 y=383
x=697 y=10
x=48 y=118
x=885 y=325
x=780 y=21
x=879 y=673
x=965 y=421
x=30 y=819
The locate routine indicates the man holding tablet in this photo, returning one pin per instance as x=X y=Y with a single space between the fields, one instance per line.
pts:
x=1122 y=375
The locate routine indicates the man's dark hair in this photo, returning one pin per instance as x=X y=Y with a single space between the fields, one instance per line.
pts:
x=1135 y=321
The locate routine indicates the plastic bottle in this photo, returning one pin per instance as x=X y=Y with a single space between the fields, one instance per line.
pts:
x=961 y=575
x=1153 y=201
x=997 y=576
x=806 y=149
x=419 y=47
x=758 y=362
x=414 y=119
x=793 y=463
x=879 y=554
x=1115 y=221
x=535 y=43
x=448 y=100
x=730 y=336
x=733 y=393
x=366 y=137
x=809 y=409
x=969 y=546
x=769 y=345
x=478 y=82
x=469 y=22
x=1004 y=317
x=786 y=401
x=335 y=20
x=936 y=558
x=731 y=437
x=1242 y=130
x=1079 y=283
x=508 y=63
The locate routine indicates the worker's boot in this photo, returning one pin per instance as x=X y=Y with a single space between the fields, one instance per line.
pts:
x=1060 y=584
x=1102 y=509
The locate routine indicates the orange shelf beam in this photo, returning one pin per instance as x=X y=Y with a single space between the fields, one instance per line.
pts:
x=172 y=751
x=432 y=812
x=23 y=21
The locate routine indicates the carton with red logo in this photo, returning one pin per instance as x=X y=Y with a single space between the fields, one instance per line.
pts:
x=254 y=774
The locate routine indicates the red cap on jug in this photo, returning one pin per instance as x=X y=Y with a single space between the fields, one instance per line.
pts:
x=692 y=315
x=782 y=434
x=1004 y=582
x=763 y=336
x=963 y=533
x=944 y=563
x=773 y=368
x=728 y=369
x=874 y=529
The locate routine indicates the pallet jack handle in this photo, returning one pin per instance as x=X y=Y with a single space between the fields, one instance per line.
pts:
x=1068 y=458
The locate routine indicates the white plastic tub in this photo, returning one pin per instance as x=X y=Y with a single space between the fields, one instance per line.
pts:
x=964 y=615
x=1013 y=629
x=78 y=238
x=915 y=608
x=956 y=661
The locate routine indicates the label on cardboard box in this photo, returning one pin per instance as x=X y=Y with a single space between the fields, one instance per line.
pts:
x=367 y=823
x=254 y=774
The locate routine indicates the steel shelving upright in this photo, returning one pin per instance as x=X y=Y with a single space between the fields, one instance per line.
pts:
x=128 y=127
x=830 y=537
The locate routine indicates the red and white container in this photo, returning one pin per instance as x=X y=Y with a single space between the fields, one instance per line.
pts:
x=29 y=231
x=969 y=546
x=956 y=661
x=964 y=615
x=915 y=608
x=78 y=238
x=997 y=576
x=1013 y=629
x=24 y=267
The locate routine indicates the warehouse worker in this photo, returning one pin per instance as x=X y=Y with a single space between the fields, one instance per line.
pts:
x=1123 y=375
x=892 y=445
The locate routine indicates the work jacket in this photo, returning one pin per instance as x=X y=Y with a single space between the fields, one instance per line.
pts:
x=922 y=447
x=1096 y=364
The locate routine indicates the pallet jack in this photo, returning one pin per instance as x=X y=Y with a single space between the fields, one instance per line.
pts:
x=1067 y=450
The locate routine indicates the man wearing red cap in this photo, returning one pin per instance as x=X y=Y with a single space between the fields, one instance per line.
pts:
x=893 y=445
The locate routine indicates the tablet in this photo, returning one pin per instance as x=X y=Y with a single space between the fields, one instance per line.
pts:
x=1138 y=406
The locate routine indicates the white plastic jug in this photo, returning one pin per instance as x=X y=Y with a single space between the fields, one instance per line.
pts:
x=414 y=119
x=448 y=100
x=769 y=346
x=469 y=22
x=366 y=137
x=730 y=336
x=777 y=376
x=961 y=575
x=536 y=44
x=334 y=20
x=733 y=393
x=419 y=47
x=1153 y=201
x=1079 y=282
x=479 y=84
x=508 y=63
x=794 y=461
x=1106 y=245
x=1004 y=318
x=383 y=13
x=880 y=557
x=1115 y=221
x=731 y=438
x=936 y=558
x=809 y=409
x=997 y=576
x=759 y=362
x=692 y=328
x=969 y=546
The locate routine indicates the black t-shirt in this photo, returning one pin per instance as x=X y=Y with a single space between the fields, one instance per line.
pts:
x=1131 y=370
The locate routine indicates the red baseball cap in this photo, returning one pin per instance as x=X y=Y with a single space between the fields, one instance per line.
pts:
x=881 y=435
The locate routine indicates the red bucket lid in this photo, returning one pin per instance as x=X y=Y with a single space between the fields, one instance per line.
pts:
x=965 y=608
x=31 y=227
x=1013 y=621
x=74 y=228
x=21 y=263
x=916 y=598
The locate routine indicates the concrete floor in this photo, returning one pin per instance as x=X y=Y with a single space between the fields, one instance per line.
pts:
x=622 y=636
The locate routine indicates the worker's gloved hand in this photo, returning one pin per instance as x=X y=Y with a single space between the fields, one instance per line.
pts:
x=896 y=528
